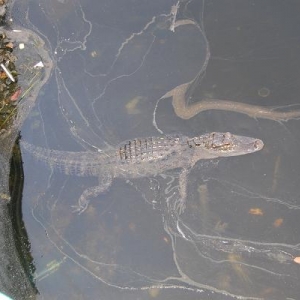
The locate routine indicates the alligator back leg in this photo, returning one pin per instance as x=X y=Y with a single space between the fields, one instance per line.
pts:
x=83 y=202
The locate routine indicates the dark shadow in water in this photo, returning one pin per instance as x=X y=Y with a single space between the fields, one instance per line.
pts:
x=19 y=89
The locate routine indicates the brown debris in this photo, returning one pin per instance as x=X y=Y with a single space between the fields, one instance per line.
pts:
x=297 y=259
x=10 y=91
x=256 y=211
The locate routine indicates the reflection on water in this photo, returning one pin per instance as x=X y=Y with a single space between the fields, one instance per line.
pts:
x=114 y=64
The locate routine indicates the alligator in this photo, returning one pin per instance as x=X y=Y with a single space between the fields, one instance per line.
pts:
x=144 y=157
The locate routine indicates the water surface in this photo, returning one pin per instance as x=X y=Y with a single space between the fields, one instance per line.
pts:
x=114 y=61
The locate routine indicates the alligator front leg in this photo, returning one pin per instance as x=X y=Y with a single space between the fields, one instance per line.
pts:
x=94 y=191
x=180 y=206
